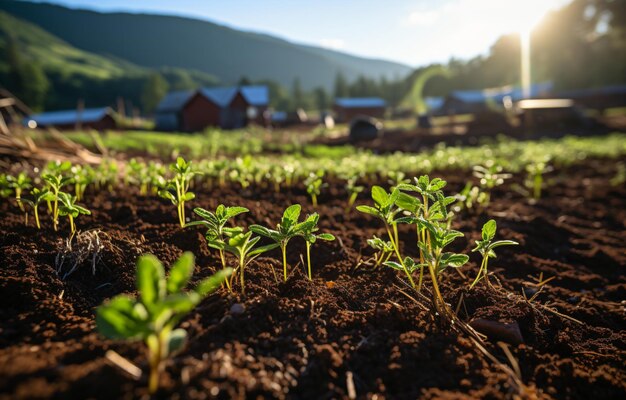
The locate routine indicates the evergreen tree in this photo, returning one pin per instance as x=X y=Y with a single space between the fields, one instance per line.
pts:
x=341 y=86
x=321 y=98
x=153 y=91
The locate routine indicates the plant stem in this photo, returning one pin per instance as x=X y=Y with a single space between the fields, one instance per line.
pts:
x=308 y=257
x=37 y=217
x=242 y=265
x=395 y=247
x=283 y=247
x=155 y=347
x=481 y=272
x=314 y=199
x=224 y=267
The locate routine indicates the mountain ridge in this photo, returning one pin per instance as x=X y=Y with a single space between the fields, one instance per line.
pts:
x=156 y=40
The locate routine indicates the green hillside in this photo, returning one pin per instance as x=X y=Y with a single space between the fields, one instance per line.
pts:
x=77 y=74
x=155 y=41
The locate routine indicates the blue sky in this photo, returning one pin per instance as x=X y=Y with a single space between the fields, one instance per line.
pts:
x=415 y=32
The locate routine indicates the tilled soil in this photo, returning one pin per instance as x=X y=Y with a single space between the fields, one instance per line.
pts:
x=349 y=332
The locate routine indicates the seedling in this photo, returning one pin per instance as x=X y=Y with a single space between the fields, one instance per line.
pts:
x=534 y=179
x=241 y=245
x=409 y=264
x=19 y=183
x=82 y=177
x=176 y=189
x=421 y=209
x=216 y=226
x=353 y=190
x=485 y=247
x=490 y=176
x=314 y=186
x=438 y=238
x=160 y=307
x=39 y=196
x=309 y=227
x=55 y=183
x=287 y=229
x=384 y=250
x=385 y=209
x=70 y=209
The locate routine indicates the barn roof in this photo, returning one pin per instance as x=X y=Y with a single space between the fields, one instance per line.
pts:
x=70 y=116
x=256 y=95
x=360 y=102
x=497 y=94
x=222 y=96
x=174 y=101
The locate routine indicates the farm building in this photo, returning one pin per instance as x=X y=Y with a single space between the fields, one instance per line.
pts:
x=598 y=98
x=476 y=101
x=224 y=107
x=12 y=110
x=90 y=118
x=348 y=108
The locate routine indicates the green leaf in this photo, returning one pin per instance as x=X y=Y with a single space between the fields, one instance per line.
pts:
x=489 y=230
x=120 y=319
x=263 y=249
x=234 y=211
x=188 y=196
x=369 y=210
x=454 y=260
x=326 y=236
x=407 y=202
x=394 y=265
x=380 y=196
x=180 y=273
x=211 y=283
x=291 y=215
x=150 y=279
x=499 y=243
x=176 y=340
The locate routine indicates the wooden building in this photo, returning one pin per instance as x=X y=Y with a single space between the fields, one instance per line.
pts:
x=90 y=118
x=224 y=107
x=348 y=108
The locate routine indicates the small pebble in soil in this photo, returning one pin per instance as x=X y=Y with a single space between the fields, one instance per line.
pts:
x=573 y=300
x=237 y=309
x=529 y=291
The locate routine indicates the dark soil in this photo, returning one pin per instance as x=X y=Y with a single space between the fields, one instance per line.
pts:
x=347 y=328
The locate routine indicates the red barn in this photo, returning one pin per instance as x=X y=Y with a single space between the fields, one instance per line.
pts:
x=224 y=107
x=346 y=109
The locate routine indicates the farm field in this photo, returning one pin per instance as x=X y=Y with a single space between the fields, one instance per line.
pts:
x=547 y=322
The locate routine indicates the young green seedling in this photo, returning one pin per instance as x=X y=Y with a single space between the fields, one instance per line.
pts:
x=287 y=229
x=421 y=209
x=55 y=183
x=69 y=208
x=485 y=248
x=177 y=188
x=385 y=209
x=82 y=177
x=534 y=179
x=161 y=305
x=353 y=190
x=19 y=183
x=384 y=250
x=216 y=226
x=439 y=236
x=39 y=196
x=309 y=227
x=314 y=185
x=489 y=177
x=241 y=245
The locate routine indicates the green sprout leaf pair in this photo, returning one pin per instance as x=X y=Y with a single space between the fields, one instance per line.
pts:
x=177 y=189
x=161 y=305
x=486 y=248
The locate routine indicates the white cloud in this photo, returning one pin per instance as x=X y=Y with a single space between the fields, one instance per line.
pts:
x=334 y=44
x=424 y=18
